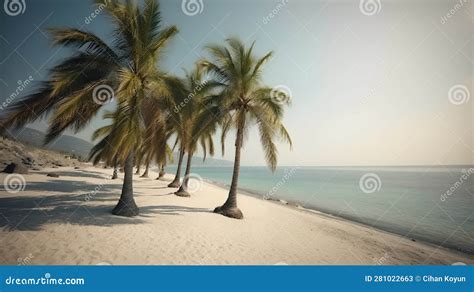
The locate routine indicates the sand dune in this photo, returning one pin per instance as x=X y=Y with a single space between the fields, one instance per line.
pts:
x=67 y=220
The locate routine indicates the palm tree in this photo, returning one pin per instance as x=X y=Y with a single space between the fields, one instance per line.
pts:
x=192 y=113
x=138 y=161
x=162 y=169
x=176 y=125
x=116 y=170
x=155 y=147
x=147 y=158
x=162 y=151
x=176 y=181
x=99 y=151
x=244 y=101
x=129 y=68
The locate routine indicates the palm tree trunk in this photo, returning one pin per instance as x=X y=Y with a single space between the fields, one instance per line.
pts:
x=183 y=189
x=115 y=174
x=175 y=182
x=145 y=174
x=138 y=169
x=162 y=171
x=126 y=205
x=230 y=208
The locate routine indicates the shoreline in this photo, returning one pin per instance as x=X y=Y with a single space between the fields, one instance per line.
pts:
x=297 y=206
x=313 y=210
x=68 y=221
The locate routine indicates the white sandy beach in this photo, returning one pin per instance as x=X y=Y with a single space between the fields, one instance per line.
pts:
x=55 y=222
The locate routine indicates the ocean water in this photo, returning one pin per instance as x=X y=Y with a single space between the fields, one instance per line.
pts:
x=433 y=204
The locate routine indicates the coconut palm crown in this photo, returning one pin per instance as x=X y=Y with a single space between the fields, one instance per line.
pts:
x=124 y=69
x=243 y=102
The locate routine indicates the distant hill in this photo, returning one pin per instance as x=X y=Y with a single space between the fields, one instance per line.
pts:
x=73 y=145
x=31 y=157
x=65 y=143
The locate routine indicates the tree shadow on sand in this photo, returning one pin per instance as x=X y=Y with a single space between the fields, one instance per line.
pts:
x=69 y=186
x=79 y=173
x=32 y=212
x=147 y=211
x=92 y=207
x=157 y=188
x=147 y=195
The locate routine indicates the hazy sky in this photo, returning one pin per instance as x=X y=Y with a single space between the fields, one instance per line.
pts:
x=369 y=87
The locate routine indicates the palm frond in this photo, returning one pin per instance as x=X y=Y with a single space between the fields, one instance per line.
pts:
x=80 y=39
x=242 y=98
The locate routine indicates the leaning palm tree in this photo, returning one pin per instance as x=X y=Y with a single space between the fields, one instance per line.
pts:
x=191 y=115
x=176 y=181
x=176 y=125
x=153 y=143
x=128 y=66
x=162 y=172
x=138 y=161
x=103 y=151
x=162 y=153
x=98 y=152
x=155 y=147
x=116 y=169
x=205 y=139
x=244 y=102
x=138 y=168
x=143 y=156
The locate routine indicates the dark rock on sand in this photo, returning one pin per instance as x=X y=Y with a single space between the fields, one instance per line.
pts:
x=52 y=174
x=16 y=168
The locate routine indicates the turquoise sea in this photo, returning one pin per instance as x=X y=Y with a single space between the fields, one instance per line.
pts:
x=433 y=204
